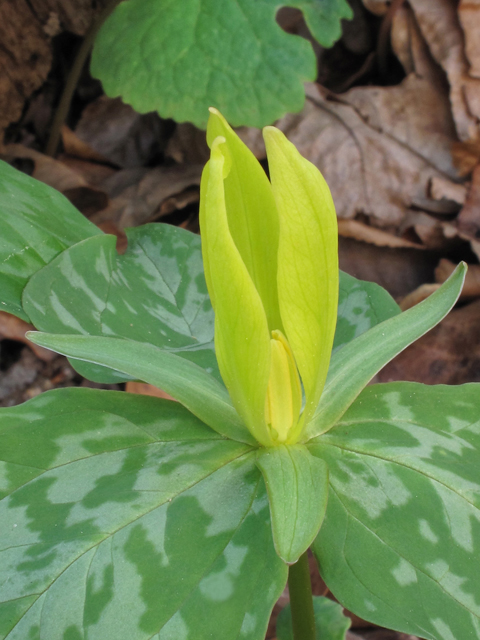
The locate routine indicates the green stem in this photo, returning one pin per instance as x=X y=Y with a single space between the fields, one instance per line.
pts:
x=301 y=602
x=73 y=78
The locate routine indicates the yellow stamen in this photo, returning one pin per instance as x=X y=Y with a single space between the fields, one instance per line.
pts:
x=284 y=393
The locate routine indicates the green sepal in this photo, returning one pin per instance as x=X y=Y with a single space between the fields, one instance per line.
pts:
x=193 y=387
x=297 y=488
x=330 y=621
x=353 y=366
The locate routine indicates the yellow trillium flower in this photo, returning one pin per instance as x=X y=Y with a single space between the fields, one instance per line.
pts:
x=270 y=251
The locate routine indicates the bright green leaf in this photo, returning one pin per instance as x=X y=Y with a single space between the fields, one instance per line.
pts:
x=36 y=224
x=330 y=623
x=180 y=58
x=183 y=380
x=154 y=293
x=353 y=366
x=401 y=536
x=140 y=518
x=323 y=18
x=297 y=487
x=307 y=262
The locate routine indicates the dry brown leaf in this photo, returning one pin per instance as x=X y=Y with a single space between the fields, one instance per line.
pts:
x=179 y=201
x=77 y=148
x=57 y=174
x=378 y=7
x=442 y=189
x=466 y=156
x=468 y=221
x=440 y=26
x=416 y=113
x=138 y=194
x=48 y=170
x=13 y=328
x=145 y=389
x=120 y=134
x=92 y=172
x=365 y=233
x=188 y=144
x=448 y=354
x=429 y=230
x=471 y=288
x=469 y=14
x=410 y=47
x=360 y=141
x=400 y=271
x=87 y=200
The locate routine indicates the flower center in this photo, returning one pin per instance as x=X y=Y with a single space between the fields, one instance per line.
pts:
x=284 y=393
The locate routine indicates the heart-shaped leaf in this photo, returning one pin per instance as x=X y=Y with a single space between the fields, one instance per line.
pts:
x=356 y=363
x=125 y=517
x=181 y=58
x=154 y=293
x=401 y=535
x=297 y=487
x=36 y=224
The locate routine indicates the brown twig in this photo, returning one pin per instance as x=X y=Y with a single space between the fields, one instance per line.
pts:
x=73 y=77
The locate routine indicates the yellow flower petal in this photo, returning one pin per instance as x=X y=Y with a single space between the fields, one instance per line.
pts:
x=307 y=262
x=242 y=341
x=252 y=215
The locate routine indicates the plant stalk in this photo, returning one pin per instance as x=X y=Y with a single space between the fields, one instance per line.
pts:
x=73 y=77
x=301 y=602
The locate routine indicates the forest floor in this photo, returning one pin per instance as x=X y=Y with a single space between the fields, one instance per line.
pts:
x=392 y=122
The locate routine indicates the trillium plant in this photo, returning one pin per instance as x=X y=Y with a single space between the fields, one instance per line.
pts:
x=129 y=517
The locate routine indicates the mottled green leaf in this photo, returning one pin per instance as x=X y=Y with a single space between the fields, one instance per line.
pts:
x=330 y=623
x=180 y=58
x=154 y=293
x=183 y=380
x=401 y=537
x=297 y=487
x=36 y=224
x=141 y=523
x=353 y=366
x=361 y=305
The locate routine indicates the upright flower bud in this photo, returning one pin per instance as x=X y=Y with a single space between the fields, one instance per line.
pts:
x=271 y=266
